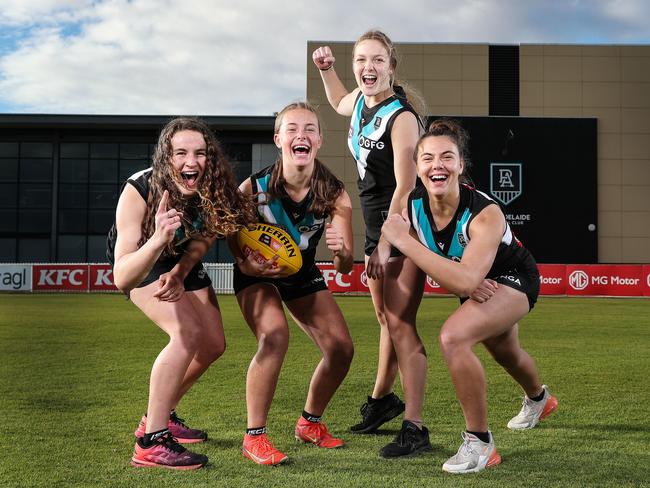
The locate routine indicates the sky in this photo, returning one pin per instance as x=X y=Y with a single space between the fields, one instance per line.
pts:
x=248 y=57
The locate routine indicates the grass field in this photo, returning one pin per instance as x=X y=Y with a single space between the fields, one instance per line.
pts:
x=73 y=385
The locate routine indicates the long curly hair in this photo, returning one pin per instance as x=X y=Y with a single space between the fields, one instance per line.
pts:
x=222 y=208
x=325 y=186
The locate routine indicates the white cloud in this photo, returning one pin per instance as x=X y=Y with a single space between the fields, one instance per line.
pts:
x=247 y=57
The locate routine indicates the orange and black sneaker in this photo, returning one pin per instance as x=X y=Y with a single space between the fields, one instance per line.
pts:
x=316 y=433
x=260 y=450
x=165 y=452
x=176 y=425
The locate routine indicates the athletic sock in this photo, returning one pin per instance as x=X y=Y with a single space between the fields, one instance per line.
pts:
x=148 y=439
x=256 y=431
x=539 y=397
x=483 y=436
x=312 y=418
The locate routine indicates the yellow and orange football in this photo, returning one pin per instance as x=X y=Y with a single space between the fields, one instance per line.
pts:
x=270 y=240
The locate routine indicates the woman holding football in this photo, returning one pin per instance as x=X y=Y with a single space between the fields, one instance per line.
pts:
x=460 y=237
x=167 y=217
x=297 y=193
x=384 y=129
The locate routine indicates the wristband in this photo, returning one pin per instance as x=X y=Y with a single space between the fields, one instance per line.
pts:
x=327 y=69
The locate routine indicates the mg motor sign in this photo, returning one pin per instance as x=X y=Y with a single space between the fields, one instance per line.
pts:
x=60 y=277
x=552 y=279
x=645 y=273
x=607 y=280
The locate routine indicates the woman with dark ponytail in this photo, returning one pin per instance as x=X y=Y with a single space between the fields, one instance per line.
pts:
x=384 y=129
x=298 y=193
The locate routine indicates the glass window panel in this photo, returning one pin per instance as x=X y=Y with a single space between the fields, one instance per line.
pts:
x=74 y=150
x=97 y=249
x=8 y=250
x=242 y=170
x=104 y=150
x=129 y=168
x=71 y=249
x=8 y=169
x=36 y=170
x=72 y=221
x=73 y=196
x=103 y=170
x=39 y=221
x=36 y=150
x=100 y=221
x=134 y=151
x=9 y=149
x=103 y=196
x=238 y=152
x=8 y=220
x=34 y=195
x=8 y=195
x=33 y=250
x=73 y=170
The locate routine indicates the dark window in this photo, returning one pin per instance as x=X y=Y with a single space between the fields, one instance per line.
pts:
x=72 y=249
x=8 y=169
x=74 y=150
x=72 y=220
x=8 y=250
x=8 y=221
x=129 y=168
x=34 y=221
x=33 y=250
x=100 y=221
x=35 y=170
x=73 y=196
x=104 y=151
x=103 y=196
x=8 y=195
x=9 y=149
x=504 y=80
x=34 y=195
x=73 y=170
x=134 y=151
x=36 y=150
x=97 y=249
x=103 y=170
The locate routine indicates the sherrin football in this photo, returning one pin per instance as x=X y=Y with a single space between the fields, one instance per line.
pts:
x=270 y=240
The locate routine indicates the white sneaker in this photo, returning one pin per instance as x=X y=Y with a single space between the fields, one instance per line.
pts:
x=532 y=412
x=473 y=456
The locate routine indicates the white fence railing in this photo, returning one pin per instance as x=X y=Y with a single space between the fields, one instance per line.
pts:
x=221 y=276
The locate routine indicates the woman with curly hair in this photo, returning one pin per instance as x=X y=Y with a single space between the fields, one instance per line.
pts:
x=167 y=217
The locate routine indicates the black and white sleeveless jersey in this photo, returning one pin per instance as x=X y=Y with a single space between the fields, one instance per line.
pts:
x=140 y=181
x=370 y=143
x=451 y=241
x=305 y=229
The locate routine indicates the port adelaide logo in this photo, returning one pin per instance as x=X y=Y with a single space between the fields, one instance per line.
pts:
x=505 y=181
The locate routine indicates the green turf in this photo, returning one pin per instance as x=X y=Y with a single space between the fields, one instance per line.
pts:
x=73 y=384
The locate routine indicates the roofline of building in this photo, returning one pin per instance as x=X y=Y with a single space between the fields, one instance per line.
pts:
x=233 y=122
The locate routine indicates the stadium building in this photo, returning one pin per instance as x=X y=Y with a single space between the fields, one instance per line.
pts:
x=560 y=137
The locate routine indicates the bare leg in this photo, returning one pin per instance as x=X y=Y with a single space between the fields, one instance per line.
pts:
x=406 y=285
x=321 y=319
x=181 y=321
x=387 y=361
x=263 y=311
x=470 y=324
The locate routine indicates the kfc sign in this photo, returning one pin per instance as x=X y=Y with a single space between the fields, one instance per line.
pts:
x=335 y=281
x=101 y=278
x=60 y=277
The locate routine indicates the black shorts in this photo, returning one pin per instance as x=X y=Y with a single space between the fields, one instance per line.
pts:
x=305 y=282
x=375 y=212
x=196 y=279
x=524 y=277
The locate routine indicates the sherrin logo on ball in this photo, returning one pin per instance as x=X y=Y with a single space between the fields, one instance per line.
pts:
x=270 y=240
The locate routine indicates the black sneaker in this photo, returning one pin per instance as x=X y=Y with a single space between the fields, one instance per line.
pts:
x=410 y=441
x=378 y=412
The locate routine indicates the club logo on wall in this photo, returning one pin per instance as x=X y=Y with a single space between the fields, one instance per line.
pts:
x=505 y=181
